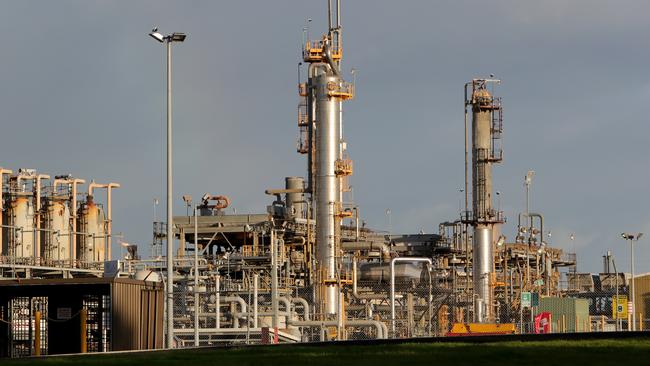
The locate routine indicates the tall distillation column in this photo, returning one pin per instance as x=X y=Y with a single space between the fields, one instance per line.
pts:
x=321 y=138
x=486 y=150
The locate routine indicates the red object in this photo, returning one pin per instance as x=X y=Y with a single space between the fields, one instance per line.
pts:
x=265 y=335
x=543 y=323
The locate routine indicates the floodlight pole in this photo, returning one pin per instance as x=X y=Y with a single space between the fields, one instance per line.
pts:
x=168 y=39
x=632 y=238
x=170 y=237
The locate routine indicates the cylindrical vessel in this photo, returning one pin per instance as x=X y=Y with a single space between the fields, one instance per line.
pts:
x=18 y=238
x=57 y=236
x=483 y=215
x=482 y=269
x=481 y=154
x=295 y=201
x=328 y=126
x=91 y=240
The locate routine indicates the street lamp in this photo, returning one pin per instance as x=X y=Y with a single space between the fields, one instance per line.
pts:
x=168 y=40
x=632 y=238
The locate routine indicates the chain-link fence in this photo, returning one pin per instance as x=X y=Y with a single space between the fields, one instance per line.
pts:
x=413 y=301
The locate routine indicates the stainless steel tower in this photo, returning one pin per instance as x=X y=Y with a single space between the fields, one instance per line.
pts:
x=486 y=150
x=321 y=127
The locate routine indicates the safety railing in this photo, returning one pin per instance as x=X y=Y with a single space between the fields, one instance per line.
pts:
x=313 y=51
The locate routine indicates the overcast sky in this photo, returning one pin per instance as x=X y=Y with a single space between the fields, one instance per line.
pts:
x=82 y=92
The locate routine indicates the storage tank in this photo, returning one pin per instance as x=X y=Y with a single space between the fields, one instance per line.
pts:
x=91 y=241
x=56 y=221
x=18 y=238
x=295 y=201
x=404 y=272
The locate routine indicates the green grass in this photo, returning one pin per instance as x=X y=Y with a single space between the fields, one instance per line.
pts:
x=580 y=353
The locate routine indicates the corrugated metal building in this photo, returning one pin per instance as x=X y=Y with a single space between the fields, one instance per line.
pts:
x=120 y=314
x=642 y=299
x=567 y=314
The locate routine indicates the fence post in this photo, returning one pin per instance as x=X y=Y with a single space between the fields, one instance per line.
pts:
x=602 y=322
x=37 y=333
x=82 y=317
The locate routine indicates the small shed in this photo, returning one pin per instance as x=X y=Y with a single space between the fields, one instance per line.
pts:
x=119 y=314
x=567 y=314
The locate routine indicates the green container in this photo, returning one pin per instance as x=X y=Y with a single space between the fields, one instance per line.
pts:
x=567 y=314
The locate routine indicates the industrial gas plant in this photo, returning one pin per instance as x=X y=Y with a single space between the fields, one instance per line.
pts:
x=302 y=269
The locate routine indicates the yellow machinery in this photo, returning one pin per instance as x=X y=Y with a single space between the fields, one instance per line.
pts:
x=479 y=329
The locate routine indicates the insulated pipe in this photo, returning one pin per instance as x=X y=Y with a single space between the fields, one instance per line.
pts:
x=196 y=277
x=2 y=174
x=37 y=240
x=355 y=292
x=354 y=323
x=531 y=215
x=354 y=276
x=351 y=246
x=242 y=307
x=274 y=279
x=300 y=240
x=305 y=306
x=327 y=53
x=256 y=280
x=286 y=312
x=274 y=192
x=73 y=212
x=73 y=203
x=314 y=70
x=392 y=284
x=286 y=302
x=109 y=212
x=222 y=201
x=217 y=323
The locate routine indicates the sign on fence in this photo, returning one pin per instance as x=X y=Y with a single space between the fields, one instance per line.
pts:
x=619 y=307
x=526 y=299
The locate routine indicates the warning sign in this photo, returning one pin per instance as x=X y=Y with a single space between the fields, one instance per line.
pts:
x=619 y=307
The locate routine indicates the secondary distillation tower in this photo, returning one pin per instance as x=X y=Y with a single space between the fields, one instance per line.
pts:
x=320 y=122
x=486 y=129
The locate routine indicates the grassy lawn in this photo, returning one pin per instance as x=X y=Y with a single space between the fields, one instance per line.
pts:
x=580 y=353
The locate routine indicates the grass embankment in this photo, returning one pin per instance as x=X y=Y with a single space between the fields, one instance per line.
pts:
x=626 y=352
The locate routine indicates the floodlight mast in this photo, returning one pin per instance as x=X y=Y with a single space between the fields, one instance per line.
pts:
x=632 y=238
x=168 y=40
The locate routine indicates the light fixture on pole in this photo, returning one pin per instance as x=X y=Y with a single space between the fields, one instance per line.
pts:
x=168 y=40
x=632 y=238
